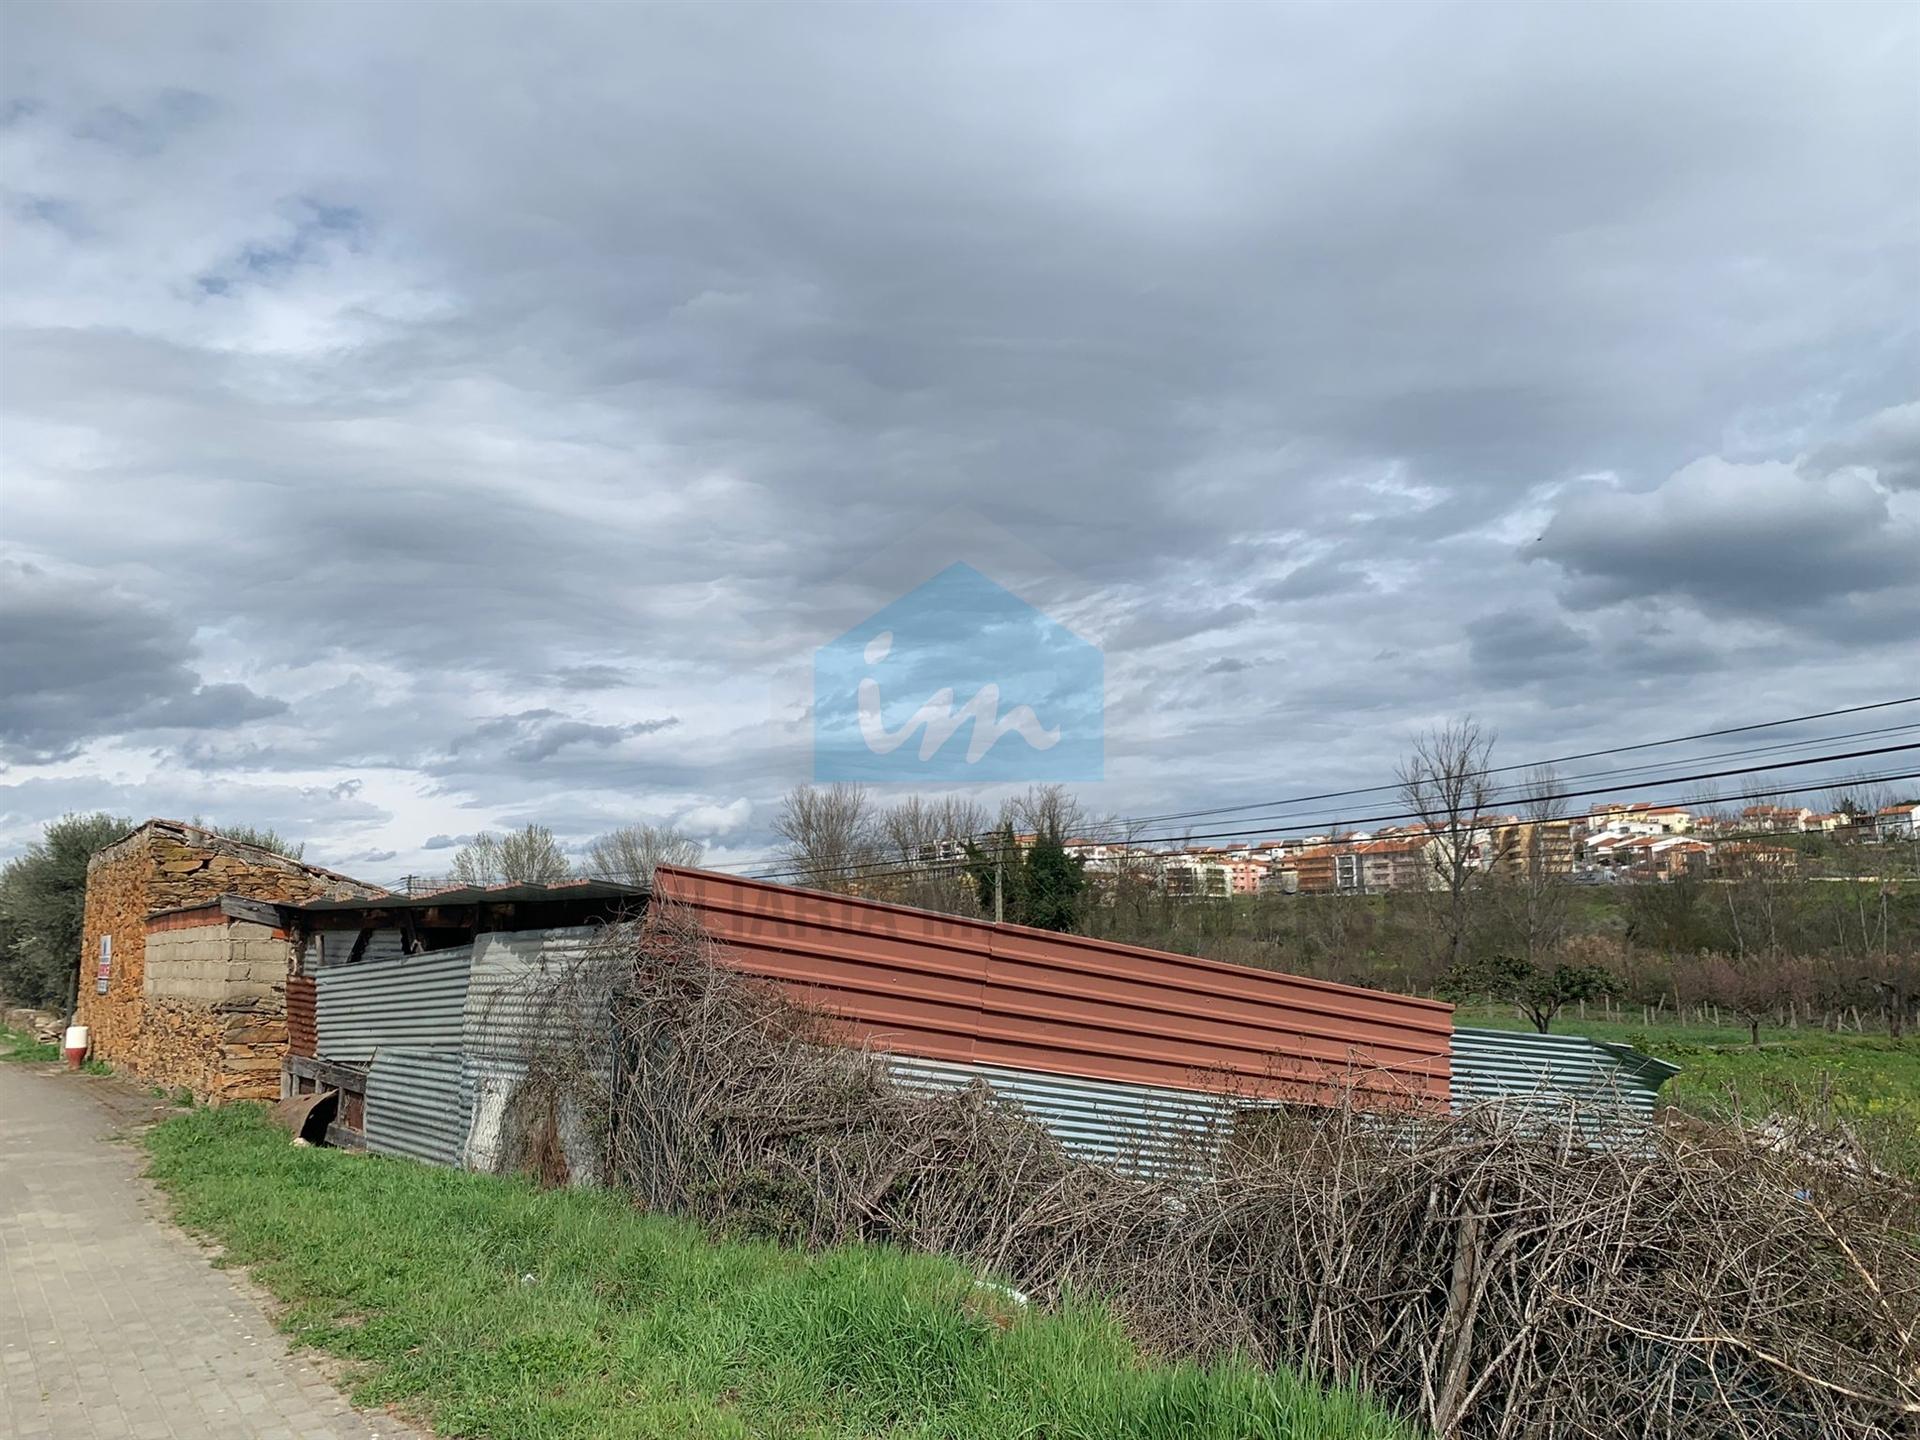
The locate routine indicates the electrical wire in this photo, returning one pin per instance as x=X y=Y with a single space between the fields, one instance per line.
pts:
x=854 y=869
x=1130 y=827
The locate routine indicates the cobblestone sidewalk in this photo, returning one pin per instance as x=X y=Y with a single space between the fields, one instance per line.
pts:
x=113 y=1326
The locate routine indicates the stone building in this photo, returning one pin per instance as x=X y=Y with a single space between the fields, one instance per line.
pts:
x=182 y=983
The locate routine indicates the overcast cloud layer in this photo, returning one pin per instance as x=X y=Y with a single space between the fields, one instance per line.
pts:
x=423 y=426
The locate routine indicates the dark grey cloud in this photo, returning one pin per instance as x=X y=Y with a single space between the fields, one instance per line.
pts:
x=1226 y=665
x=531 y=736
x=1887 y=443
x=1317 y=580
x=1749 y=539
x=1516 y=646
x=331 y=828
x=83 y=661
x=592 y=677
x=209 y=707
x=1157 y=623
x=413 y=388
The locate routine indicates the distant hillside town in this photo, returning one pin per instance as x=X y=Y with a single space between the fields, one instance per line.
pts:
x=1614 y=842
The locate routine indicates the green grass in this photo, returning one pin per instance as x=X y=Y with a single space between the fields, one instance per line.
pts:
x=19 y=1045
x=491 y=1308
x=1869 y=1082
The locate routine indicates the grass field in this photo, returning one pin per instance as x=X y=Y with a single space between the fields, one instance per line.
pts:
x=491 y=1308
x=1869 y=1082
x=18 y=1045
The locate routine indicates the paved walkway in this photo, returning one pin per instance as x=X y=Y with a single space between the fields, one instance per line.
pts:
x=113 y=1326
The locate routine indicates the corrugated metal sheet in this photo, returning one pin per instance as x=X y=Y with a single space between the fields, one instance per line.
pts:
x=529 y=987
x=415 y=1106
x=941 y=988
x=303 y=1036
x=333 y=948
x=383 y=945
x=512 y=1003
x=416 y=1001
x=1608 y=1088
x=1137 y=1128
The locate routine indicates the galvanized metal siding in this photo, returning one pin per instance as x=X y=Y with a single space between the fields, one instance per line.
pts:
x=1137 y=1128
x=524 y=987
x=1608 y=1087
x=335 y=947
x=415 y=1106
x=529 y=988
x=962 y=991
x=416 y=1001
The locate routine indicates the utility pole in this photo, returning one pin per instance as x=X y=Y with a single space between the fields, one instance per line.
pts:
x=999 y=884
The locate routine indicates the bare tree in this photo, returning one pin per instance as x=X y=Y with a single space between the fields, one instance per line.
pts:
x=1859 y=796
x=1707 y=804
x=829 y=834
x=1530 y=894
x=1896 y=979
x=1759 y=788
x=530 y=856
x=1758 y=893
x=1755 y=984
x=1445 y=783
x=1045 y=810
x=629 y=854
x=924 y=843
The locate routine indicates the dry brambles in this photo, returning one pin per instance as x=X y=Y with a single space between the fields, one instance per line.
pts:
x=1486 y=1279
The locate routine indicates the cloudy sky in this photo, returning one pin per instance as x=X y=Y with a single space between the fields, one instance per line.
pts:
x=477 y=416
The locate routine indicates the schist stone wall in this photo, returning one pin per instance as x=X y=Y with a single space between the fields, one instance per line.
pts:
x=184 y=993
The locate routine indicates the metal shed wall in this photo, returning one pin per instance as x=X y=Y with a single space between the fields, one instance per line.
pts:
x=416 y=1001
x=510 y=1002
x=1130 y=1127
x=1609 y=1085
x=966 y=992
x=512 y=1007
x=335 y=947
x=414 y=1105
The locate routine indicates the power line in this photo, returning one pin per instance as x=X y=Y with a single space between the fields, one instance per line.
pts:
x=1714 y=837
x=1114 y=826
x=1508 y=795
x=1119 y=826
x=1309 y=821
x=1555 y=759
x=853 y=869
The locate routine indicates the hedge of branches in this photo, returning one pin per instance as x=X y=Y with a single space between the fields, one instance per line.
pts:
x=1487 y=1279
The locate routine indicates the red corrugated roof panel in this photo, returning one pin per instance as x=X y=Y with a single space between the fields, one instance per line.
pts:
x=917 y=983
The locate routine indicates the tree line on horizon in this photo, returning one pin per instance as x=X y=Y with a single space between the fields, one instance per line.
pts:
x=1755 y=943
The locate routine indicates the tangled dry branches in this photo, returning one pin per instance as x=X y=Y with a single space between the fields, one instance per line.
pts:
x=1483 y=1278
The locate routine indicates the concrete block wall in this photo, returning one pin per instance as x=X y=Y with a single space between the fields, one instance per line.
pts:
x=232 y=962
x=215 y=1018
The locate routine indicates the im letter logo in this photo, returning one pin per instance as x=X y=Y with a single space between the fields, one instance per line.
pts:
x=958 y=680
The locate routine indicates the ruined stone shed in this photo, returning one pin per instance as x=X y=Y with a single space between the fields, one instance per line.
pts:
x=180 y=983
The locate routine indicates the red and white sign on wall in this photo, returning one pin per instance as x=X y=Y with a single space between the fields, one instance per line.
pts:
x=105 y=973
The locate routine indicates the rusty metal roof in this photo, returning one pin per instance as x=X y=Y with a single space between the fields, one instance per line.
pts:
x=939 y=987
x=508 y=894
